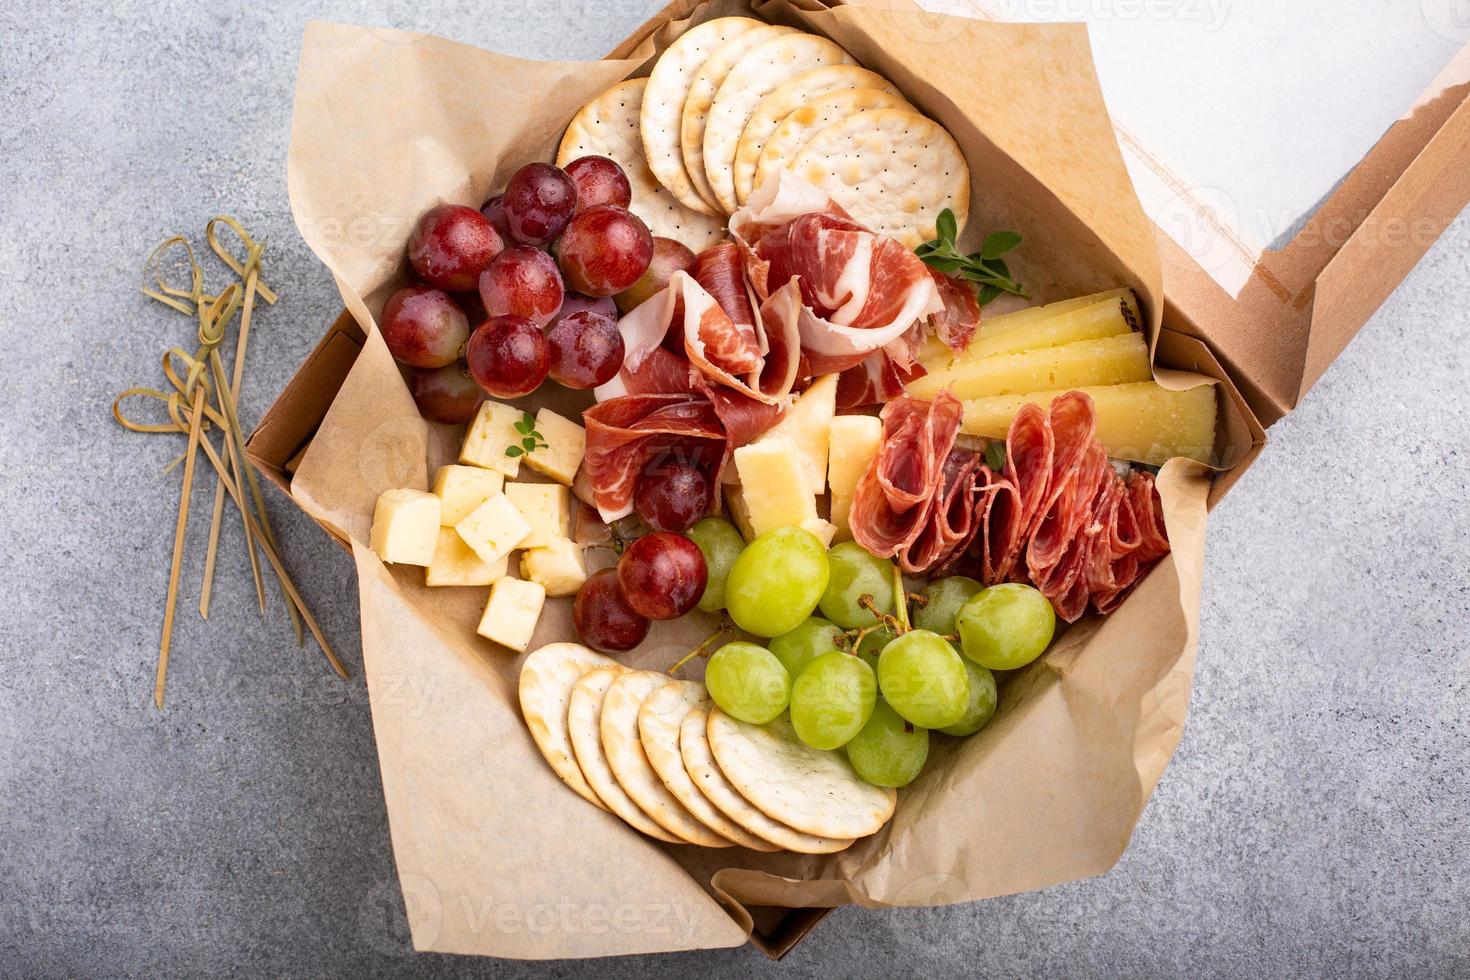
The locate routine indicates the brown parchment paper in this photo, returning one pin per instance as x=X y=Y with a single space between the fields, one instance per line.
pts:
x=494 y=855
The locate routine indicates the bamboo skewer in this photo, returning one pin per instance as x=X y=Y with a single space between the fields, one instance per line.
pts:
x=161 y=675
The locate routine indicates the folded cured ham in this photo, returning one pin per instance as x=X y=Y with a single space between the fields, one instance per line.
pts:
x=1059 y=516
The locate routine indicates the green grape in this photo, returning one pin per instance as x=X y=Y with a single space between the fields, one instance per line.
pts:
x=888 y=751
x=924 y=679
x=946 y=596
x=832 y=699
x=856 y=573
x=776 y=581
x=872 y=645
x=981 y=707
x=720 y=544
x=1006 y=626
x=804 y=644
x=748 y=682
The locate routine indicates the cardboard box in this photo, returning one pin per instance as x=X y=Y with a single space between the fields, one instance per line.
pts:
x=1266 y=347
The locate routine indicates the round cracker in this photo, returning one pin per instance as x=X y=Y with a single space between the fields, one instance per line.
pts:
x=608 y=126
x=658 y=727
x=797 y=129
x=663 y=103
x=785 y=99
x=702 y=91
x=584 y=718
x=758 y=72
x=629 y=763
x=547 y=677
x=812 y=790
x=700 y=764
x=892 y=169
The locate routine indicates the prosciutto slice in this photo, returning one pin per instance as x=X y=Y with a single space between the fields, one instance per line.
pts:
x=861 y=291
x=625 y=434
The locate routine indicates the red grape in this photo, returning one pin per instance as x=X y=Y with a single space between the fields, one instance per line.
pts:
x=538 y=202
x=672 y=496
x=451 y=245
x=604 y=250
x=669 y=257
x=522 y=281
x=599 y=181
x=423 y=327
x=662 y=575
x=494 y=209
x=586 y=349
x=508 y=356
x=575 y=302
x=446 y=394
x=473 y=306
x=603 y=618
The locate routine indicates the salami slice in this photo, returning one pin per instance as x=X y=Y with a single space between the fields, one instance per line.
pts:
x=895 y=497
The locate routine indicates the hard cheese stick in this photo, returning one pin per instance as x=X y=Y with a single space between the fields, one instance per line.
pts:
x=1108 y=361
x=1143 y=422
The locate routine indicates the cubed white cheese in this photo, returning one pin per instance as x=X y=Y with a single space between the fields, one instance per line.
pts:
x=566 y=444
x=547 y=508
x=773 y=485
x=490 y=434
x=807 y=423
x=455 y=563
x=461 y=489
x=855 y=441
x=739 y=513
x=558 y=566
x=823 y=530
x=494 y=529
x=405 y=527
x=511 y=614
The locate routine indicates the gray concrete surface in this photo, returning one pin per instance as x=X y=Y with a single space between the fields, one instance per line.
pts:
x=1313 y=821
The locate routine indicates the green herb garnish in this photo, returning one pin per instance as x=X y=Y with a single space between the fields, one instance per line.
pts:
x=995 y=456
x=985 y=268
x=531 y=440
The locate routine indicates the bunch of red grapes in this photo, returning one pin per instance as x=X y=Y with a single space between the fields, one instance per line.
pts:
x=526 y=288
x=659 y=576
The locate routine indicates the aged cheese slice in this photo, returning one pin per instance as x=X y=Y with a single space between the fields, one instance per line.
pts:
x=405 y=527
x=1035 y=316
x=547 y=508
x=739 y=511
x=1141 y=421
x=490 y=434
x=455 y=563
x=511 y=613
x=566 y=444
x=558 y=566
x=1109 y=361
x=806 y=423
x=855 y=441
x=461 y=489
x=547 y=677
x=773 y=484
x=494 y=529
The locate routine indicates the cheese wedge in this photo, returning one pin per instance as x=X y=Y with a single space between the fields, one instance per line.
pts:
x=773 y=485
x=558 y=566
x=1143 y=421
x=566 y=444
x=807 y=423
x=455 y=563
x=547 y=509
x=1033 y=318
x=491 y=433
x=405 y=527
x=461 y=489
x=511 y=613
x=494 y=529
x=855 y=441
x=1109 y=361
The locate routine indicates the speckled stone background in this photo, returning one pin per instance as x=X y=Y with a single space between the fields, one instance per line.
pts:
x=1313 y=821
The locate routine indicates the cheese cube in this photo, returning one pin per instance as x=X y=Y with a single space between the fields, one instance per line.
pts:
x=405 y=527
x=855 y=441
x=807 y=423
x=547 y=508
x=557 y=566
x=493 y=529
x=824 y=531
x=566 y=444
x=773 y=484
x=511 y=614
x=490 y=434
x=455 y=563
x=461 y=489
x=739 y=512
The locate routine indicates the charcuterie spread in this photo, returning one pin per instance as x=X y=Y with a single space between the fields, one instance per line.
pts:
x=799 y=425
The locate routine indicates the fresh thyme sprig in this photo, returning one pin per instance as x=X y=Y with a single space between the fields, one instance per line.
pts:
x=985 y=268
x=531 y=440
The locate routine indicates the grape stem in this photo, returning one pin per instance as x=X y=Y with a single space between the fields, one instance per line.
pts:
x=917 y=597
x=899 y=626
x=901 y=605
x=703 y=649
